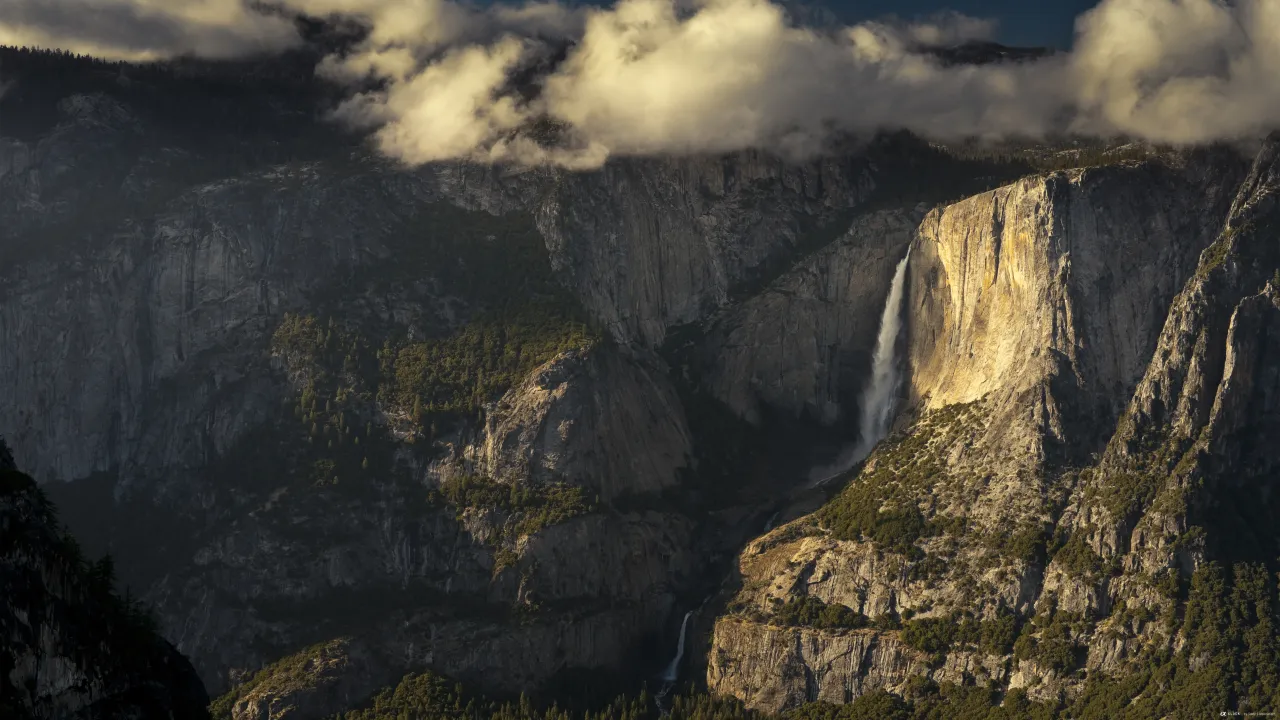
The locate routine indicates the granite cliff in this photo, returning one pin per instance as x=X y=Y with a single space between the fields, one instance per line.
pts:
x=342 y=420
x=1089 y=370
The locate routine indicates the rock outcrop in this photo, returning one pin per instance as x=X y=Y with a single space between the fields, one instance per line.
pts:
x=603 y=421
x=779 y=668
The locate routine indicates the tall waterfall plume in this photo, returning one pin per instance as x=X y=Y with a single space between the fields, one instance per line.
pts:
x=881 y=391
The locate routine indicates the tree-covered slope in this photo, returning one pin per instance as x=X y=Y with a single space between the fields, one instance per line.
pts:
x=70 y=647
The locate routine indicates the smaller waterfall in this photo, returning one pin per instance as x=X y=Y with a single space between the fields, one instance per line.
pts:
x=772 y=520
x=672 y=673
x=882 y=388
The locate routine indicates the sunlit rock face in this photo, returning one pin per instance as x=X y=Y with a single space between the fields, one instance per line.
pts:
x=1072 y=270
x=1089 y=364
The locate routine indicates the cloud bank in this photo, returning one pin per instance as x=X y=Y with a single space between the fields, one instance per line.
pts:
x=145 y=29
x=662 y=76
x=1178 y=71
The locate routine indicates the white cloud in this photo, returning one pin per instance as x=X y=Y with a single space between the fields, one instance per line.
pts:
x=449 y=109
x=1180 y=71
x=144 y=29
x=655 y=76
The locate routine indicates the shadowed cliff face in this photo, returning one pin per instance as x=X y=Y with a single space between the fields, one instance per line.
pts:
x=649 y=244
x=1091 y=368
x=644 y=246
x=802 y=345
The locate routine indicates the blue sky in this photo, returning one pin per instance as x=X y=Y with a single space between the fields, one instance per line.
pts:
x=1022 y=22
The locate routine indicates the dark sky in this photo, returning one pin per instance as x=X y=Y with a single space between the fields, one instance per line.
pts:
x=1022 y=22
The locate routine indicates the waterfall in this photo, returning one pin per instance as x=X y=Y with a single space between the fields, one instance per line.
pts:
x=772 y=519
x=886 y=375
x=673 y=669
x=882 y=387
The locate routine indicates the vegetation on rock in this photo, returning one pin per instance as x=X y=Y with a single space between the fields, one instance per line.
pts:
x=881 y=504
x=809 y=611
x=512 y=317
x=527 y=508
x=293 y=672
x=426 y=696
x=1079 y=560
x=960 y=631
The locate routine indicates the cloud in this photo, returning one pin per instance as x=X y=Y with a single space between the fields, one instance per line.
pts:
x=735 y=74
x=666 y=76
x=145 y=29
x=656 y=76
x=449 y=109
x=427 y=26
x=1178 y=71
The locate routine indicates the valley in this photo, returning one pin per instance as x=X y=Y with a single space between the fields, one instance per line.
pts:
x=562 y=435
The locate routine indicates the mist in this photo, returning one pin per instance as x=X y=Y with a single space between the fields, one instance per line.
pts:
x=647 y=77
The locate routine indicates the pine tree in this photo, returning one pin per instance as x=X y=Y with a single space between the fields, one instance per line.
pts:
x=103 y=573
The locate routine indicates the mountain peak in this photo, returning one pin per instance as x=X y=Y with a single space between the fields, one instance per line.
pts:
x=982 y=52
